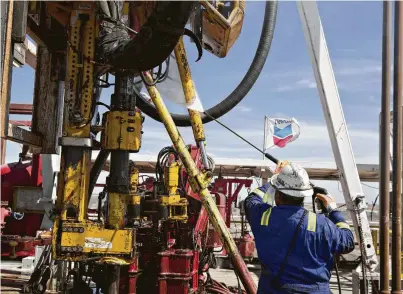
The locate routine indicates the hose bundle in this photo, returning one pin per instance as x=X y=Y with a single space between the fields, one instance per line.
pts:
x=162 y=161
x=214 y=287
x=244 y=86
x=152 y=44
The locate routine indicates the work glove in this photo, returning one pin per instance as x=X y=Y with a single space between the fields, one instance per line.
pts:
x=328 y=202
x=280 y=165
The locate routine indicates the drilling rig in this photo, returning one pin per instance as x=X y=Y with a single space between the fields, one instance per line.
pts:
x=147 y=235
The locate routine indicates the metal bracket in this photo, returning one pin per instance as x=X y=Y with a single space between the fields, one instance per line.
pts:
x=75 y=142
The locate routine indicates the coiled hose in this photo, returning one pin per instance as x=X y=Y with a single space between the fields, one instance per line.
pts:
x=244 y=86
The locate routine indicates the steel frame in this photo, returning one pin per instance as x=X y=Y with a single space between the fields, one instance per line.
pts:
x=336 y=125
x=330 y=100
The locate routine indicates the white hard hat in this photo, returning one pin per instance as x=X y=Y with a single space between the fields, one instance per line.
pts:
x=292 y=180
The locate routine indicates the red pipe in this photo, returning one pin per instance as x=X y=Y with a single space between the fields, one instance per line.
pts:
x=132 y=277
x=21 y=123
x=19 y=108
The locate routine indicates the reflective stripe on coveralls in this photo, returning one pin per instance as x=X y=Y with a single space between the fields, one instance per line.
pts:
x=307 y=271
x=311 y=220
x=343 y=225
x=262 y=195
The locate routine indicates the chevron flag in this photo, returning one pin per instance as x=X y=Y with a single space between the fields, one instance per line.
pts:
x=280 y=131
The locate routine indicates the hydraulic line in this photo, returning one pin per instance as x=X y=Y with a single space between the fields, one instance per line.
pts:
x=244 y=86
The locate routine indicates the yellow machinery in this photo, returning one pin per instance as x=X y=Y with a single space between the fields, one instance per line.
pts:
x=79 y=44
x=76 y=238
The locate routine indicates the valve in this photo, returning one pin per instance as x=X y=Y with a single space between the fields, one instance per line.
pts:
x=13 y=244
x=18 y=215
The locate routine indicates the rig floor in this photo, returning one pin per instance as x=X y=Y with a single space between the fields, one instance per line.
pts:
x=12 y=281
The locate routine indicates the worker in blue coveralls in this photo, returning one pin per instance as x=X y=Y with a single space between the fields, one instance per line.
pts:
x=295 y=247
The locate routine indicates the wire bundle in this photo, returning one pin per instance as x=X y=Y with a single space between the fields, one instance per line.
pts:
x=158 y=76
x=162 y=160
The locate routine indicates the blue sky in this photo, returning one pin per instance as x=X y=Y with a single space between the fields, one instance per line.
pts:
x=286 y=87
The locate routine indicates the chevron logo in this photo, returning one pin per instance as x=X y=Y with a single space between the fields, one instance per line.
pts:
x=282 y=136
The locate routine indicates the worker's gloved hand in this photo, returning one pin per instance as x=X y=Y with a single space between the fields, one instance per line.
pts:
x=328 y=202
x=280 y=165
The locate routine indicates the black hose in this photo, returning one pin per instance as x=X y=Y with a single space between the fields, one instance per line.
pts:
x=336 y=266
x=244 y=86
x=154 y=42
x=96 y=170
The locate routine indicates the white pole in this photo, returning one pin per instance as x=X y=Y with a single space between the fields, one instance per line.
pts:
x=264 y=180
x=336 y=125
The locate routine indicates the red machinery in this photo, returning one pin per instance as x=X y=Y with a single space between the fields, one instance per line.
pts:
x=178 y=268
x=174 y=254
x=19 y=229
x=225 y=186
x=220 y=188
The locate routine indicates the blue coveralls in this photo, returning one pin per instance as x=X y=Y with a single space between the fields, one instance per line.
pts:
x=310 y=263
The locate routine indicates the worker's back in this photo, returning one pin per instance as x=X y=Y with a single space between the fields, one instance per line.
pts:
x=309 y=265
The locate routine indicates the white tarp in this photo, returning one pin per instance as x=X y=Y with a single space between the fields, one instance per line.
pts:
x=172 y=89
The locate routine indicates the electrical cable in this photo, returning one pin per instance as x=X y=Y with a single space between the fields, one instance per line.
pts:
x=103 y=104
x=143 y=79
x=336 y=266
x=159 y=76
x=373 y=205
x=162 y=158
x=166 y=73
x=369 y=186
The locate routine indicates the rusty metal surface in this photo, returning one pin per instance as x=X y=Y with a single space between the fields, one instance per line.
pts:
x=189 y=89
x=22 y=136
x=384 y=163
x=367 y=173
x=42 y=35
x=6 y=73
x=47 y=115
x=3 y=147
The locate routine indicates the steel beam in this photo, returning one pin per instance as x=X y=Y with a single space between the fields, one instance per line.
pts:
x=6 y=73
x=3 y=148
x=41 y=35
x=384 y=138
x=48 y=99
x=397 y=149
x=22 y=136
x=249 y=168
x=337 y=127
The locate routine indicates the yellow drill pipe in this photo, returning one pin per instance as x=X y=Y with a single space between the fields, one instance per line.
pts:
x=189 y=90
x=199 y=185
